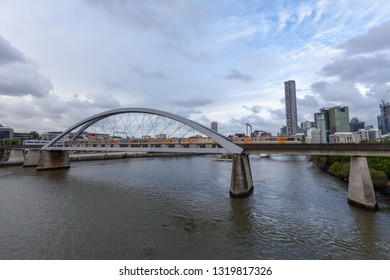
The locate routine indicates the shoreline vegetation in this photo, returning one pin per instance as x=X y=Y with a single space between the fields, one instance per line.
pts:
x=339 y=166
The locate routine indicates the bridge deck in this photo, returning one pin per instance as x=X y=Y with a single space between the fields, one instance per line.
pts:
x=320 y=149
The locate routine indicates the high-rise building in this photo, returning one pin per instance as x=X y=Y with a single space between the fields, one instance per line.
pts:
x=291 y=107
x=339 y=119
x=385 y=117
x=214 y=126
x=320 y=124
x=355 y=125
x=6 y=132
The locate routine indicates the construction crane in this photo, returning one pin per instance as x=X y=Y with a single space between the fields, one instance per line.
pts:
x=248 y=126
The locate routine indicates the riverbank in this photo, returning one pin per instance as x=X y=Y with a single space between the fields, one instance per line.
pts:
x=338 y=166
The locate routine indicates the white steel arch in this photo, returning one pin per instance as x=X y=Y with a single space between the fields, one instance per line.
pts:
x=228 y=146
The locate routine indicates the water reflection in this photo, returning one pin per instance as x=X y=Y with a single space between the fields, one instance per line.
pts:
x=180 y=209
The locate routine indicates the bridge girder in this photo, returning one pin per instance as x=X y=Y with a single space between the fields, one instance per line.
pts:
x=228 y=146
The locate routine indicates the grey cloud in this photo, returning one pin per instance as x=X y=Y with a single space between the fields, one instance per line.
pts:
x=192 y=102
x=102 y=101
x=255 y=108
x=238 y=125
x=8 y=53
x=375 y=39
x=183 y=51
x=20 y=79
x=308 y=101
x=18 y=76
x=234 y=74
x=171 y=18
x=373 y=69
x=141 y=71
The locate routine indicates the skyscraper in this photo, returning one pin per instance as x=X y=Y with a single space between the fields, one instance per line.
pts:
x=291 y=107
x=339 y=119
x=385 y=117
x=214 y=126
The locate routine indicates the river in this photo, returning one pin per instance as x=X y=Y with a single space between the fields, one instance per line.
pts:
x=179 y=208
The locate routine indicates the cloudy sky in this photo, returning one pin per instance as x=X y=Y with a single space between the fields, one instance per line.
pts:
x=225 y=61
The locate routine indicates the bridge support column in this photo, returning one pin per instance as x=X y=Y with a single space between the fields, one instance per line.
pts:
x=360 y=187
x=32 y=158
x=53 y=160
x=241 y=183
x=16 y=156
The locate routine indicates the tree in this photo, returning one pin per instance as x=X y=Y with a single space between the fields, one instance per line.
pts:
x=34 y=135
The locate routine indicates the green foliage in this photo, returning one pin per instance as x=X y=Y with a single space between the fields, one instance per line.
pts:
x=319 y=162
x=9 y=142
x=379 y=178
x=380 y=163
x=340 y=169
x=332 y=159
x=34 y=135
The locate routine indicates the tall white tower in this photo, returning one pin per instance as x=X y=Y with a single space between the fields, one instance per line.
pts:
x=291 y=107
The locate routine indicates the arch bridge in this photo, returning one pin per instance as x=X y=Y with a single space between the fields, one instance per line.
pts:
x=150 y=130
x=145 y=130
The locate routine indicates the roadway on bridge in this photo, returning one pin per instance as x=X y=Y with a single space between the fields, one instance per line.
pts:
x=319 y=149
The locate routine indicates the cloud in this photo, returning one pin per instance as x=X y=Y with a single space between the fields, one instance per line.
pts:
x=9 y=54
x=18 y=76
x=192 y=101
x=141 y=71
x=234 y=74
x=170 y=18
x=375 y=39
x=255 y=108
x=372 y=69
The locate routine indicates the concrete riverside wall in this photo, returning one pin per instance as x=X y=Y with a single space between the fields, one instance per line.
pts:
x=360 y=187
x=53 y=160
x=16 y=155
x=32 y=158
x=241 y=183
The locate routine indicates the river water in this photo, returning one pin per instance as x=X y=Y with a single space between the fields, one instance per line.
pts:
x=179 y=208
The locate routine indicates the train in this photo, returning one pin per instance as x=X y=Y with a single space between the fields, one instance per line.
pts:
x=196 y=141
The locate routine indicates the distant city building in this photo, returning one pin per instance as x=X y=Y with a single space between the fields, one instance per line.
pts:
x=379 y=122
x=360 y=135
x=320 y=124
x=313 y=136
x=385 y=117
x=374 y=134
x=355 y=124
x=339 y=119
x=260 y=133
x=283 y=131
x=50 y=135
x=6 y=132
x=341 y=137
x=291 y=107
x=325 y=111
x=214 y=126
x=307 y=125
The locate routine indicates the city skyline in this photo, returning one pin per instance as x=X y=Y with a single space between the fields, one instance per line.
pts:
x=223 y=62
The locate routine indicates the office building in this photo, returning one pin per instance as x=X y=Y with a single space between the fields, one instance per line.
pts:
x=319 y=121
x=291 y=107
x=214 y=126
x=385 y=117
x=355 y=125
x=6 y=132
x=339 y=119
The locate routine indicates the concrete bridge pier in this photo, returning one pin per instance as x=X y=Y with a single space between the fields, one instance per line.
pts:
x=53 y=160
x=360 y=187
x=16 y=156
x=32 y=158
x=241 y=183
